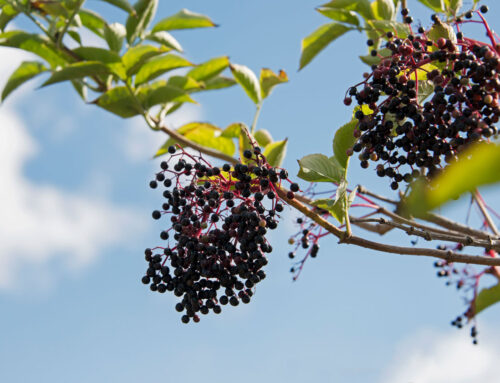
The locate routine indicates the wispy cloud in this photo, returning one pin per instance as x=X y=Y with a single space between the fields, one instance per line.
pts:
x=431 y=357
x=40 y=223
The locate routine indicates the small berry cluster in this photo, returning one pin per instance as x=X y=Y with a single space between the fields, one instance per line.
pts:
x=218 y=223
x=411 y=137
x=466 y=280
x=307 y=240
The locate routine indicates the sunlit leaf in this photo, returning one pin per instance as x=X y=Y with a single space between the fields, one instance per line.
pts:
x=184 y=19
x=486 y=298
x=37 y=44
x=339 y=14
x=105 y=56
x=209 y=69
x=114 y=34
x=477 y=166
x=160 y=92
x=136 y=56
x=435 y=5
x=263 y=137
x=165 y=39
x=122 y=4
x=248 y=81
x=344 y=139
x=363 y=7
x=138 y=21
x=318 y=40
x=77 y=71
x=92 y=21
x=232 y=131
x=320 y=168
x=269 y=79
x=382 y=26
x=425 y=89
x=24 y=72
x=120 y=102
x=384 y=9
x=7 y=14
x=205 y=134
x=158 y=65
x=219 y=82
x=444 y=30
x=275 y=152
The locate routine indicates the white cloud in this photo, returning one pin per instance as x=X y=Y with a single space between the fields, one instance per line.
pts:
x=40 y=223
x=430 y=357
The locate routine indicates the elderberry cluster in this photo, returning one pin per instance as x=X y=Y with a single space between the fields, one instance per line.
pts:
x=428 y=100
x=216 y=239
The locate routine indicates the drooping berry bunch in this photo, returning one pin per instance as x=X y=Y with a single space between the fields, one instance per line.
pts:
x=467 y=280
x=428 y=99
x=216 y=238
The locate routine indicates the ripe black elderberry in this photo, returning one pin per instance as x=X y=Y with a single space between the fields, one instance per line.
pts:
x=218 y=222
x=410 y=136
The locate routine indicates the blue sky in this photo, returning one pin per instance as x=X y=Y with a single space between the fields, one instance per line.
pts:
x=76 y=210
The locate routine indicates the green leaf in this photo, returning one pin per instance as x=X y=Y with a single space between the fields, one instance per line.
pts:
x=363 y=7
x=248 y=81
x=92 y=21
x=122 y=4
x=77 y=71
x=383 y=26
x=232 y=131
x=53 y=8
x=24 y=72
x=8 y=14
x=205 y=134
x=136 y=56
x=160 y=92
x=158 y=65
x=263 y=137
x=105 y=56
x=165 y=39
x=269 y=79
x=184 y=19
x=184 y=82
x=39 y=45
x=219 y=82
x=209 y=69
x=119 y=101
x=337 y=206
x=444 y=30
x=339 y=14
x=486 y=298
x=371 y=60
x=384 y=9
x=344 y=139
x=275 y=152
x=80 y=89
x=75 y=36
x=114 y=34
x=435 y=5
x=425 y=89
x=138 y=22
x=452 y=6
x=318 y=40
x=320 y=168
x=97 y=54
x=477 y=166
x=244 y=142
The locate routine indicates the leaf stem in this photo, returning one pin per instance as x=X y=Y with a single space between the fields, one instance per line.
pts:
x=68 y=23
x=256 y=117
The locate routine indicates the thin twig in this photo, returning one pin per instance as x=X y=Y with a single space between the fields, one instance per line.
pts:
x=447 y=255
